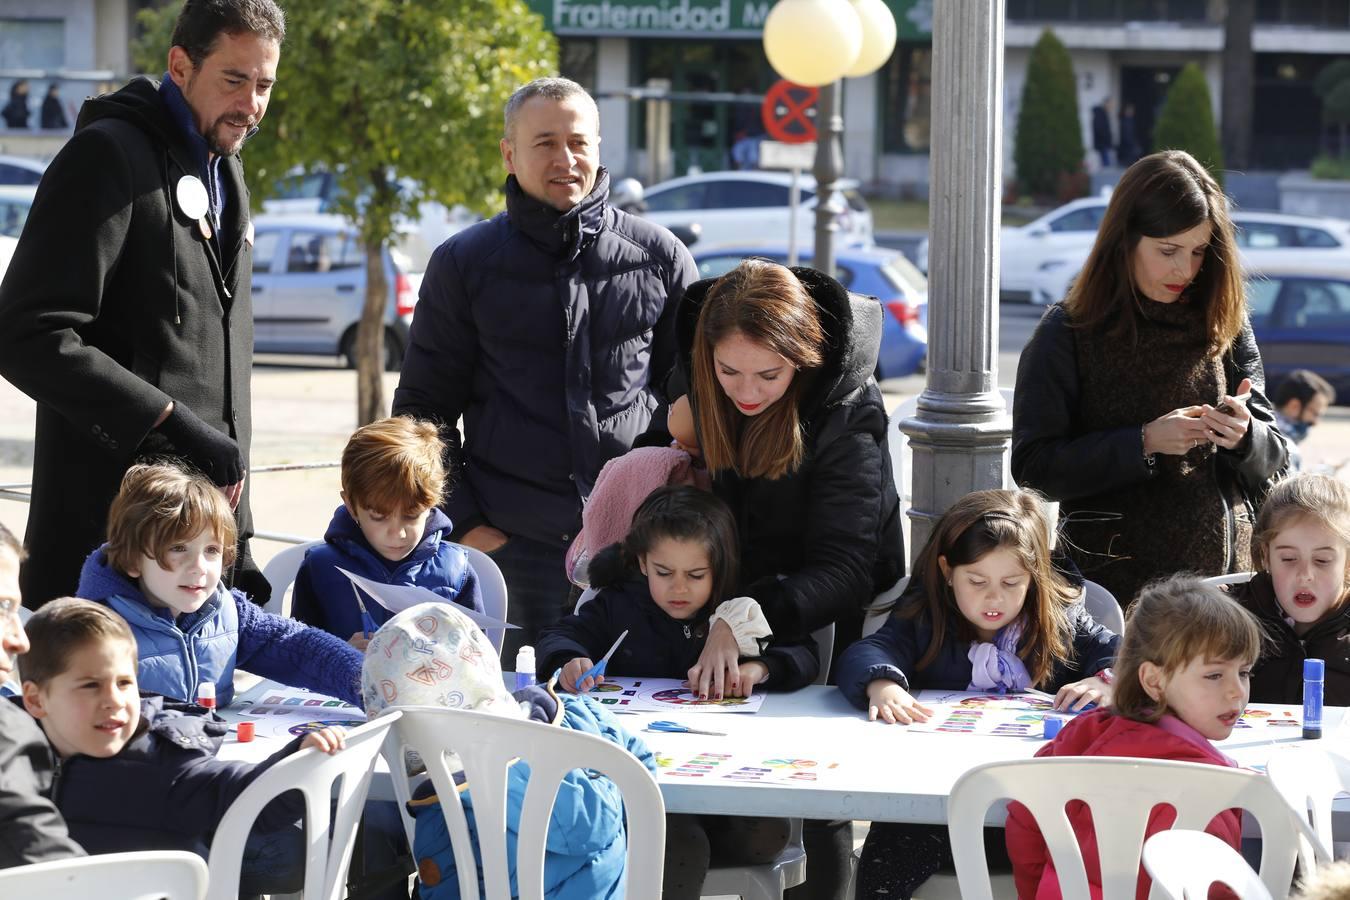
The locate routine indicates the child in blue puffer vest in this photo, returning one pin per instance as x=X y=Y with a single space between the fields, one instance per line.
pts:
x=457 y=667
x=170 y=534
x=388 y=529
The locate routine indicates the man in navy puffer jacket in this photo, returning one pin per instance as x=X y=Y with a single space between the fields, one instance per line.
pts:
x=548 y=328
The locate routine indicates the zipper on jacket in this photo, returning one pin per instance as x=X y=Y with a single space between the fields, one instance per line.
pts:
x=56 y=778
x=687 y=634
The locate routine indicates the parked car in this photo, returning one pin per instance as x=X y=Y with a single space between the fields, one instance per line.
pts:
x=1264 y=240
x=1301 y=317
x=20 y=170
x=15 y=202
x=7 y=245
x=740 y=208
x=309 y=284
x=877 y=271
x=1060 y=232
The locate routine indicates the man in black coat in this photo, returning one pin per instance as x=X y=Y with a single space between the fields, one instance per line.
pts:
x=126 y=312
x=547 y=328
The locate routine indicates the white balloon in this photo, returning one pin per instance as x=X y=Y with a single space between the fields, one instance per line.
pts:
x=812 y=42
x=878 y=37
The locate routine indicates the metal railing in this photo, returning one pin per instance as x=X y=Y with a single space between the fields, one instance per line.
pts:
x=22 y=493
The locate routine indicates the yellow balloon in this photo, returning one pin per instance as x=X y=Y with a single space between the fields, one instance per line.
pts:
x=878 y=37
x=812 y=42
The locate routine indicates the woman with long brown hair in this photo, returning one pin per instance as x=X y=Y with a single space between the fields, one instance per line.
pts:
x=1140 y=400
x=792 y=428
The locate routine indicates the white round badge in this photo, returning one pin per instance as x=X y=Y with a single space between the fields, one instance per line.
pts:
x=191 y=194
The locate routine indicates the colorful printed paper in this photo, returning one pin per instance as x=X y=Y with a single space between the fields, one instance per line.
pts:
x=287 y=712
x=1020 y=715
x=663 y=695
x=709 y=765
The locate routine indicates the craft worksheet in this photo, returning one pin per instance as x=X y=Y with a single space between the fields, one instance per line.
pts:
x=1000 y=715
x=622 y=694
x=715 y=764
x=288 y=712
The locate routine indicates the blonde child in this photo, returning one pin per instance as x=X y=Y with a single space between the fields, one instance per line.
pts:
x=1183 y=678
x=140 y=772
x=665 y=585
x=170 y=535
x=986 y=610
x=388 y=529
x=1301 y=587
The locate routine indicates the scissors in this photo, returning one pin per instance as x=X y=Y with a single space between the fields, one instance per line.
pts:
x=367 y=621
x=598 y=669
x=677 y=728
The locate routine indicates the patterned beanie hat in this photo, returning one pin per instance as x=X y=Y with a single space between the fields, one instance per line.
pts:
x=433 y=655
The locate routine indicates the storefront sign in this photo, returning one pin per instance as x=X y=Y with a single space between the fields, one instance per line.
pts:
x=694 y=18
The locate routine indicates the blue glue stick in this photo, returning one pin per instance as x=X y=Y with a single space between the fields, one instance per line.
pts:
x=1050 y=727
x=1314 y=675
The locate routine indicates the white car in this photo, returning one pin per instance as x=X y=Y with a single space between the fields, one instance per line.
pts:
x=1264 y=240
x=15 y=201
x=748 y=207
x=7 y=245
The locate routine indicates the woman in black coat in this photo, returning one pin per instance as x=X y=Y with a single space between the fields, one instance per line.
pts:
x=1139 y=403
x=779 y=366
x=15 y=112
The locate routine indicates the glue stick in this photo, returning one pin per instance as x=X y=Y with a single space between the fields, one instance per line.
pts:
x=525 y=667
x=1314 y=675
x=206 y=695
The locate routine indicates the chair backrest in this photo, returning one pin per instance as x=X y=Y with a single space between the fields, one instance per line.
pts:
x=492 y=586
x=1102 y=606
x=280 y=574
x=314 y=774
x=1184 y=863
x=1121 y=793
x=1231 y=578
x=1310 y=778
x=897 y=442
x=145 y=875
x=490 y=745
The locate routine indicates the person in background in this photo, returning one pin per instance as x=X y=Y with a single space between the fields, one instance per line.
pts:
x=53 y=111
x=1128 y=150
x=550 y=329
x=16 y=112
x=1102 y=140
x=1300 y=401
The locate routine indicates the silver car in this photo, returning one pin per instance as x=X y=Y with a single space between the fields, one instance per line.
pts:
x=309 y=284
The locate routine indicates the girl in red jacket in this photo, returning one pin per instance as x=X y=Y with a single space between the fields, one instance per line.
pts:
x=1182 y=679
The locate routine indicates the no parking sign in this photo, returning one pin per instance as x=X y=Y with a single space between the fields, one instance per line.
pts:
x=789 y=112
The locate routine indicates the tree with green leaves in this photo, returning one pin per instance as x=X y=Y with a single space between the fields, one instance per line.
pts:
x=1049 y=143
x=1187 y=121
x=402 y=100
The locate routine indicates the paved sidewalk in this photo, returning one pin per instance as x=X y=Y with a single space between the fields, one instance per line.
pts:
x=304 y=410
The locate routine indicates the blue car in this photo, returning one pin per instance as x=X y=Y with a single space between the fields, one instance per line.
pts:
x=1301 y=317
x=876 y=271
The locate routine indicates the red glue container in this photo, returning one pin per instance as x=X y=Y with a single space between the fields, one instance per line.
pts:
x=206 y=695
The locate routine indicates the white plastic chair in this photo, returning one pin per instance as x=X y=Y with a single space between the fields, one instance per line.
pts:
x=314 y=774
x=487 y=745
x=1231 y=578
x=879 y=610
x=766 y=882
x=1310 y=778
x=1184 y=863
x=280 y=573
x=1121 y=792
x=145 y=875
x=1102 y=606
x=492 y=587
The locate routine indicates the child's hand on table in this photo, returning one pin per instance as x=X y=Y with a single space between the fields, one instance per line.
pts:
x=329 y=739
x=575 y=669
x=889 y=702
x=359 y=641
x=1073 y=697
x=752 y=672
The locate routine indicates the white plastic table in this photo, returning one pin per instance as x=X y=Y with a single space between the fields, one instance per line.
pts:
x=881 y=772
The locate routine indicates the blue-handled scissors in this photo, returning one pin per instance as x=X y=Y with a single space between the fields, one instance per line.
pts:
x=598 y=669
x=677 y=728
x=367 y=621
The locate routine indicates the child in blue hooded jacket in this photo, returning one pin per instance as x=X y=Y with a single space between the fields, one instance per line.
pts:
x=457 y=667
x=170 y=533
x=388 y=529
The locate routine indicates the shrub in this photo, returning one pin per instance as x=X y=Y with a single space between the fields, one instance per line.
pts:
x=1049 y=144
x=1187 y=121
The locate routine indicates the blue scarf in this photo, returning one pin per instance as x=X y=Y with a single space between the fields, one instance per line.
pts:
x=995 y=665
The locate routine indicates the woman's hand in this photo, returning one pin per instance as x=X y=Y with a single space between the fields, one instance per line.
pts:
x=718 y=670
x=889 y=702
x=1176 y=433
x=1073 y=697
x=485 y=538
x=752 y=672
x=329 y=739
x=574 y=669
x=1227 y=424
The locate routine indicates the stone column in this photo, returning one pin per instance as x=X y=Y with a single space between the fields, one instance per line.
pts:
x=961 y=432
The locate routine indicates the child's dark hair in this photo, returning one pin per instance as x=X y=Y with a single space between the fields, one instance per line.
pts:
x=980 y=523
x=1172 y=622
x=60 y=628
x=681 y=513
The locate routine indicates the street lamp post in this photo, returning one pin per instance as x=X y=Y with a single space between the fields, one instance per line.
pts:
x=817 y=43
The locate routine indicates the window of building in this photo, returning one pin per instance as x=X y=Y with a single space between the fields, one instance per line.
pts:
x=577 y=60
x=1324 y=13
x=1107 y=10
x=907 y=101
x=32 y=44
